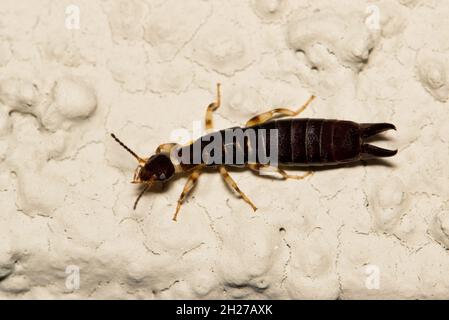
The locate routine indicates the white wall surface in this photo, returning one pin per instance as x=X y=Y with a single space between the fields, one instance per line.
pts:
x=71 y=72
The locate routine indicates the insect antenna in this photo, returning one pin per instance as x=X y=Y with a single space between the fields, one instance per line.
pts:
x=140 y=195
x=127 y=149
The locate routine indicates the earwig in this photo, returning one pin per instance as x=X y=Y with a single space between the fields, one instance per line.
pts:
x=299 y=142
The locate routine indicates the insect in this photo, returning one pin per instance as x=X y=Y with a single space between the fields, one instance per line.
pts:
x=299 y=142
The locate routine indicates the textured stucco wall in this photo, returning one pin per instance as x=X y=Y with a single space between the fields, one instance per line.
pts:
x=143 y=69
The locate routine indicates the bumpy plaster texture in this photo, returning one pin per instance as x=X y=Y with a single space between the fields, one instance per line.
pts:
x=71 y=72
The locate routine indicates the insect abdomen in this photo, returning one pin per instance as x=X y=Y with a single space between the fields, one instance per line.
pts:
x=315 y=141
x=296 y=142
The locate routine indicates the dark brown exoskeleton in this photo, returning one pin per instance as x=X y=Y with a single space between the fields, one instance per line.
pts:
x=298 y=142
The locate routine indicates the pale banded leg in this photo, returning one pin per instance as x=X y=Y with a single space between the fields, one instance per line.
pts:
x=209 y=123
x=263 y=117
x=233 y=185
x=165 y=147
x=147 y=185
x=187 y=188
x=256 y=167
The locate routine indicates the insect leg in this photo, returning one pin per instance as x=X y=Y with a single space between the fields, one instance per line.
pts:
x=211 y=108
x=256 y=167
x=141 y=194
x=233 y=185
x=166 y=147
x=264 y=117
x=187 y=188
